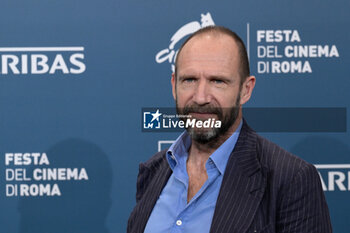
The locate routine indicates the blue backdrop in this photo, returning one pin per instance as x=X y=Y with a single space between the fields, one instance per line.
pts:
x=75 y=75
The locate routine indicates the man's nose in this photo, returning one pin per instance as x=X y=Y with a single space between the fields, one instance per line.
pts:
x=202 y=93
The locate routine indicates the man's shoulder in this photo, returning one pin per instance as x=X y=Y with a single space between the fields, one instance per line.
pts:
x=156 y=159
x=271 y=153
x=280 y=163
x=153 y=167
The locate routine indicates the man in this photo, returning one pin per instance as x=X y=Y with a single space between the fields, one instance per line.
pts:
x=227 y=179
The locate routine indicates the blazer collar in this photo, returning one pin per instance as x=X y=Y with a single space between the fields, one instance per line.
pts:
x=153 y=176
x=242 y=187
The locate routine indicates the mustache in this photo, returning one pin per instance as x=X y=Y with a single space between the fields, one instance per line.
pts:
x=202 y=109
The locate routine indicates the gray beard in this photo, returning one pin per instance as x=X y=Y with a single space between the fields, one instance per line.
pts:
x=204 y=136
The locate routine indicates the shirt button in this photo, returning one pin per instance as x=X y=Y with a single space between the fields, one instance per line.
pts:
x=179 y=222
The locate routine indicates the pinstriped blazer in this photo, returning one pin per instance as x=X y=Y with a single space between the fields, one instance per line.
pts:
x=264 y=189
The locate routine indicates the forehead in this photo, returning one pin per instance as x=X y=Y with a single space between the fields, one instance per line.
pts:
x=209 y=53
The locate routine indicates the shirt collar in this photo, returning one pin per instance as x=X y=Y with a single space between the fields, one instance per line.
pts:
x=178 y=152
x=221 y=155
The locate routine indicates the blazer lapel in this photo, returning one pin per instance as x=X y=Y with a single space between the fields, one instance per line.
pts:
x=242 y=187
x=157 y=174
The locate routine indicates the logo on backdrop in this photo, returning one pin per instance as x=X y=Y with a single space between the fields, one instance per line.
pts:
x=29 y=174
x=167 y=120
x=334 y=177
x=41 y=60
x=169 y=54
x=285 y=51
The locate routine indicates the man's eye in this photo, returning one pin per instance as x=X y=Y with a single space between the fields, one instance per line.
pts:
x=217 y=81
x=189 y=80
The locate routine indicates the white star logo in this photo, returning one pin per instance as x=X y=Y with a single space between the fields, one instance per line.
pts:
x=156 y=115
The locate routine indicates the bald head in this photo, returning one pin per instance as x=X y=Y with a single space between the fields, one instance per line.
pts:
x=217 y=36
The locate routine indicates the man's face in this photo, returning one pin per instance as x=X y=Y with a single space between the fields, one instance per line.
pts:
x=208 y=83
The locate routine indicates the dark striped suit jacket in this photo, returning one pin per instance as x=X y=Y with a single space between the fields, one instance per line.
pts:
x=265 y=189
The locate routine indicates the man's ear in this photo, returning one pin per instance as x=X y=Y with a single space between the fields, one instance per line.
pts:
x=173 y=83
x=247 y=89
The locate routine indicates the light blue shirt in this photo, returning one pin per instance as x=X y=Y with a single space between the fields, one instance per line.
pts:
x=172 y=213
